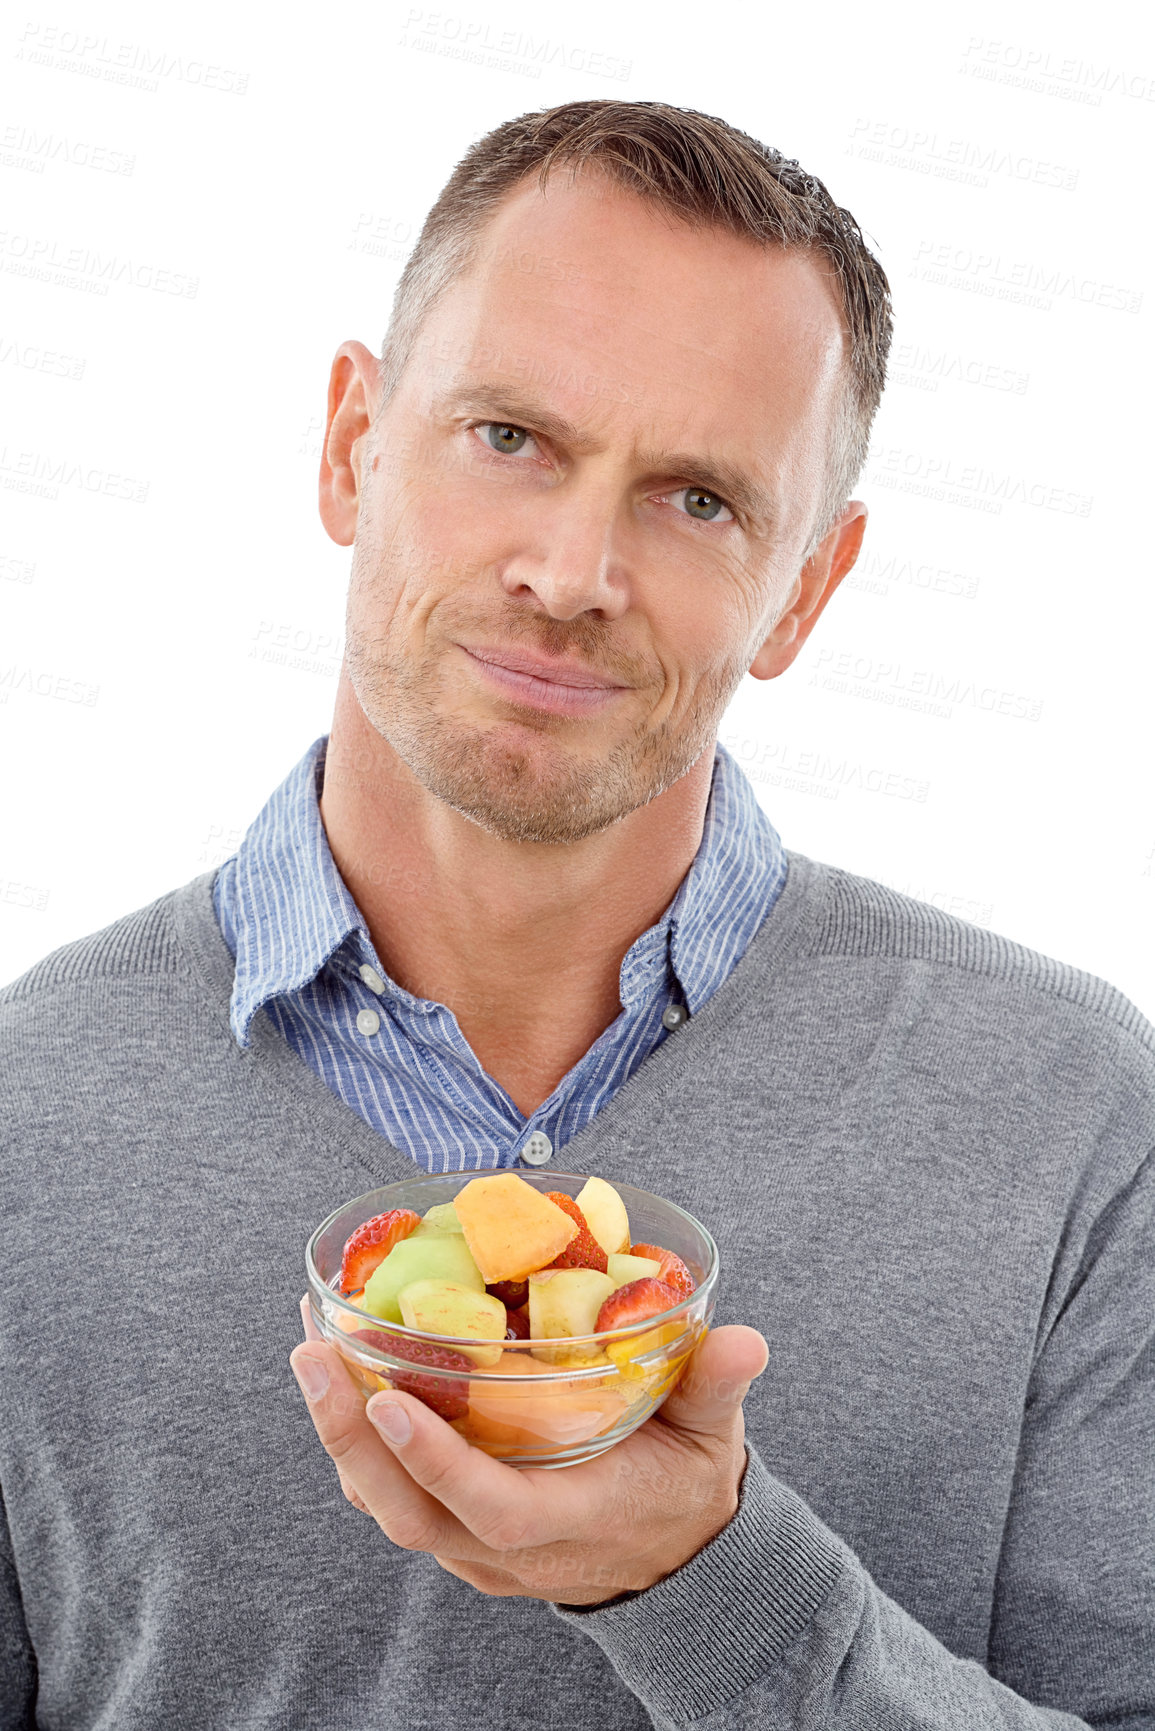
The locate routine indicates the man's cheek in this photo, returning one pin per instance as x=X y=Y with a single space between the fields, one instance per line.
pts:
x=456 y=515
x=386 y=591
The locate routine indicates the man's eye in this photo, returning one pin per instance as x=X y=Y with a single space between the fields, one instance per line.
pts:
x=706 y=507
x=501 y=436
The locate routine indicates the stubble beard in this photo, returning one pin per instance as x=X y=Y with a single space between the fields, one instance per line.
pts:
x=516 y=779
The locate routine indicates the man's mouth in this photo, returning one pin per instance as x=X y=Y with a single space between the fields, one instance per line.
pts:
x=565 y=687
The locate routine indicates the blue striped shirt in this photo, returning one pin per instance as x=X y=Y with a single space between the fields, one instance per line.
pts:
x=304 y=955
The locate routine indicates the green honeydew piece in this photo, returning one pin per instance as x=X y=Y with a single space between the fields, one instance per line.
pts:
x=421 y=1256
x=442 y=1217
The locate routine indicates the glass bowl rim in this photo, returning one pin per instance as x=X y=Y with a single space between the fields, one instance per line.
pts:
x=628 y=1332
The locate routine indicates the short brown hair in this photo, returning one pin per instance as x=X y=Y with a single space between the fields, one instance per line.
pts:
x=699 y=169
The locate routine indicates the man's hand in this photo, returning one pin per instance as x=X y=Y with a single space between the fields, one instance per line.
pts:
x=576 y=1535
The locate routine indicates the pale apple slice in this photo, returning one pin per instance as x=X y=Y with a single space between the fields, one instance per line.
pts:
x=605 y=1214
x=446 y=1307
x=564 y=1302
x=511 y=1228
x=622 y=1268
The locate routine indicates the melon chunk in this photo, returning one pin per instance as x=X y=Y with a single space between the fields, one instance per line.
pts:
x=622 y=1268
x=442 y=1217
x=347 y=1324
x=605 y=1214
x=565 y=1302
x=446 y=1307
x=513 y=1415
x=511 y=1228
x=421 y=1256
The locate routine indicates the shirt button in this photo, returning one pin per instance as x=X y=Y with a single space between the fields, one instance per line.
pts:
x=538 y=1149
x=371 y=978
x=675 y=1016
x=368 y=1021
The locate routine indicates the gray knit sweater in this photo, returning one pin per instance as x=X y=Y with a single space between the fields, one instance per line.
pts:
x=926 y=1155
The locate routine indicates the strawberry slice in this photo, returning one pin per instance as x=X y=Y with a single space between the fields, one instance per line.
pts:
x=371 y=1244
x=512 y=1293
x=518 y=1323
x=584 y=1251
x=445 y=1396
x=673 y=1271
x=636 y=1301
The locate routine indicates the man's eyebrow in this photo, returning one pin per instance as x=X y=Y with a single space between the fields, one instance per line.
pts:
x=711 y=474
x=715 y=475
x=507 y=402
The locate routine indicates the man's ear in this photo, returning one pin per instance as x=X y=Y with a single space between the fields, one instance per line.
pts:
x=814 y=585
x=353 y=395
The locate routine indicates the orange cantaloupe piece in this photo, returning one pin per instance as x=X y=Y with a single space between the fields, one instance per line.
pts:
x=515 y=1414
x=510 y=1228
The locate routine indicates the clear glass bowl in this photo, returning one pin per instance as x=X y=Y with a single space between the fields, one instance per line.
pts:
x=525 y=1410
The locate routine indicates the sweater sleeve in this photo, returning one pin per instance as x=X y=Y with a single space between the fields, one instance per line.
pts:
x=777 y=1623
x=17 y=1661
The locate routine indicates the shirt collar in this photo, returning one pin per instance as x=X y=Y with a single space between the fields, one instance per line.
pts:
x=737 y=872
x=291 y=906
x=291 y=909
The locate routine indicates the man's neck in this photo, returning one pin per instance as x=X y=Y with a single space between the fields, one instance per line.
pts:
x=523 y=941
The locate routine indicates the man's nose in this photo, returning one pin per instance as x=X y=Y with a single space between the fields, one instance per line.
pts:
x=571 y=557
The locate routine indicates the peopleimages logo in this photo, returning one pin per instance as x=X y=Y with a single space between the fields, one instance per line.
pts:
x=378 y=234
x=15 y=894
x=1022 y=282
x=924 y=368
x=968 y=484
x=502 y=49
x=922 y=689
x=31 y=358
x=37 y=682
x=283 y=644
x=219 y=845
x=26 y=147
x=43 y=476
x=874 y=573
x=949 y=902
x=775 y=763
x=16 y=570
x=132 y=64
x=1050 y=74
x=49 y=260
x=925 y=151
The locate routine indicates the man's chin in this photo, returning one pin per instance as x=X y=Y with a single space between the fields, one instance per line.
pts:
x=542 y=782
x=520 y=804
x=526 y=789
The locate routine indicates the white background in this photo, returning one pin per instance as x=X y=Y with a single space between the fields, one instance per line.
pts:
x=200 y=204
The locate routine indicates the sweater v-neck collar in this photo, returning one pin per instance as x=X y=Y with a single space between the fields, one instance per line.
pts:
x=291 y=1081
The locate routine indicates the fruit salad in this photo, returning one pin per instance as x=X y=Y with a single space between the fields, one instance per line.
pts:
x=510 y=1281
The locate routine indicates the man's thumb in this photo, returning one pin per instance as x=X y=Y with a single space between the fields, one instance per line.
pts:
x=715 y=1381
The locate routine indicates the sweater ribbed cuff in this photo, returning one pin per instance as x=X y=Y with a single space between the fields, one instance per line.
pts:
x=699 y=1637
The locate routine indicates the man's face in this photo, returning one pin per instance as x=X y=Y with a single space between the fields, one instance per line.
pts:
x=606 y=450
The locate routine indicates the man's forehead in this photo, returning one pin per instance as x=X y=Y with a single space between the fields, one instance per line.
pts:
x=592 y=287
x=592 y=231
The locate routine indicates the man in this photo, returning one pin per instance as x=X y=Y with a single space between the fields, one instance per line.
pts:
x=519 y=908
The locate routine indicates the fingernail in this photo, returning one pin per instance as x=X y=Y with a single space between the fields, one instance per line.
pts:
x=391 y=1420
x=312 y=1376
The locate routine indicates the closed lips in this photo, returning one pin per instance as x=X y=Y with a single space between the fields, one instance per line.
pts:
x=553 y=672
